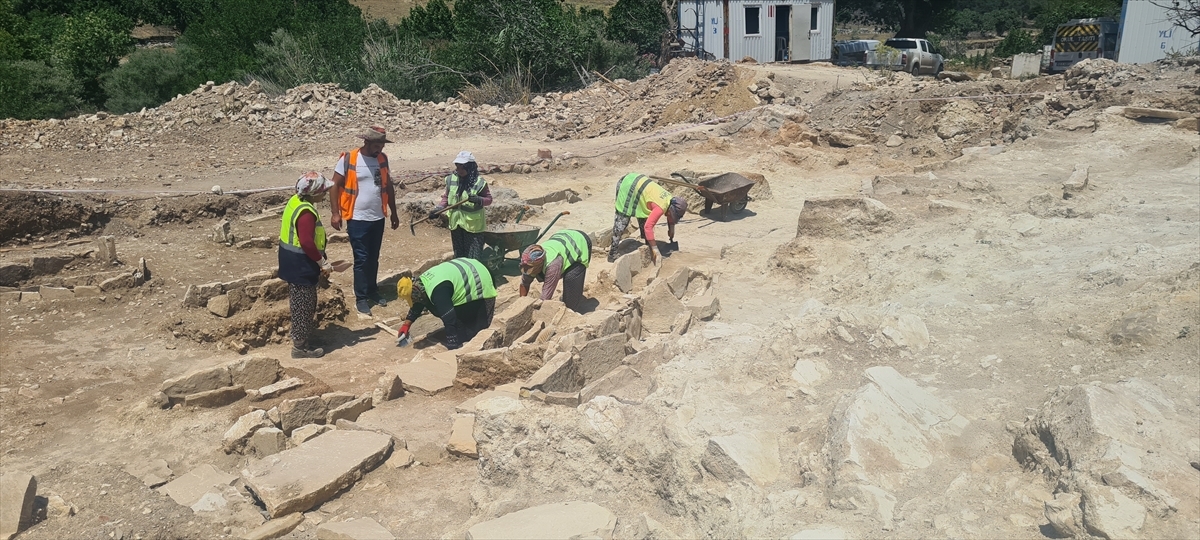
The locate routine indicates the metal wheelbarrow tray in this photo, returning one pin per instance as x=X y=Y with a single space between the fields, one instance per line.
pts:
x=505 y=237
x=730 y=190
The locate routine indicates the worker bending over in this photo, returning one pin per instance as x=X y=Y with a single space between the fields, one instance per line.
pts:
x=564 y=256
x=639 y=196
x=459 y=291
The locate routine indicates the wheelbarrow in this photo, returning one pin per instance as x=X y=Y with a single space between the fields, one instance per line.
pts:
x=502 y=238
x=730 y=190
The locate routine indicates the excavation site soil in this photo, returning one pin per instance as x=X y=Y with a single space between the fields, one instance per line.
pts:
x=948 y=309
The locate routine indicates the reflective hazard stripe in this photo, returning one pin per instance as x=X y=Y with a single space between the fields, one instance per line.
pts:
x=634 y=194
x=473 y=285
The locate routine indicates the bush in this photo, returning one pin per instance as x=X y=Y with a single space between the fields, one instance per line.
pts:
x=150 y=78
x=90 y=45
x=640 y=22
x=30 y=90
x=1016 y=42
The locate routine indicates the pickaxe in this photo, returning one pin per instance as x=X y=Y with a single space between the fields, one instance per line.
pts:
x=412 y=225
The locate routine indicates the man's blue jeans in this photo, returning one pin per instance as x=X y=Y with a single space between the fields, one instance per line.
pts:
x=366 y=237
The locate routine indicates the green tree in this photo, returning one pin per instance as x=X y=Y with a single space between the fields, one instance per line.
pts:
x=150 y=77
x=640 y=22
x=30 y=89
x=1016 y=42
x=90 y=45
x=431 y=21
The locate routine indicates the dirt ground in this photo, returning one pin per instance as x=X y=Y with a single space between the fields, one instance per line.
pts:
x=1020 y=289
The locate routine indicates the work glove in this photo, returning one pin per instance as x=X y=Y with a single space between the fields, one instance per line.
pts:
x=433 y=214
x=402 y=335
x=326 y=267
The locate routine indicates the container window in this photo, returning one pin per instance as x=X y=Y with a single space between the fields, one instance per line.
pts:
x=812 y=21
x=753 y=28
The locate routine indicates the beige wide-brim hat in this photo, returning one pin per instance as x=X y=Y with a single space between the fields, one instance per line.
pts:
x=374 y=134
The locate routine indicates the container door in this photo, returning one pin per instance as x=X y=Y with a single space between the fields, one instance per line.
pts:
x=801 y=41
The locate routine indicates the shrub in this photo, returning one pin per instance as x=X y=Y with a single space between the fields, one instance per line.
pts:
x=1016 y=42
x=150 y=78
x=90 y=45
x=30 y=89
x=640 y=22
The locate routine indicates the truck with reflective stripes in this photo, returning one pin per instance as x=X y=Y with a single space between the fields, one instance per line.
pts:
x=1079 y=39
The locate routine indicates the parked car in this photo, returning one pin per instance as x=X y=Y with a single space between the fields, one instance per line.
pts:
x=853 y=52
x=914 y=55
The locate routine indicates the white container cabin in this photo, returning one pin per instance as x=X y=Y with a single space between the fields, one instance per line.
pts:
x=1147 y=33
x=767 y=31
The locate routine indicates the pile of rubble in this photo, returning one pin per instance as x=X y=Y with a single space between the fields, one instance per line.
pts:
x=16 y=278
x=604 y=108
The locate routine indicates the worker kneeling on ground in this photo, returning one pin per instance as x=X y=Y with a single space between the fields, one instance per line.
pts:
x=564 y=256
x=459 y=291
x=639 y=196
x=302 y=260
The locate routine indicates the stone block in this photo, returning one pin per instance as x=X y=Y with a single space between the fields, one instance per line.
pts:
x=306 y=433
x=301 y=478
x=388 y=388
x=1143 y=112
x=532 y=334
x=44 y=266
x=468 y=406
x=274 y=390
x=1108 y=513
x=573 y=519
x=117 y=283
x=276 y=528
x=609 y=384
x=197 y=381
x=600 y=356
x=87 y=291
x=659 y=309
x=743 y=456
x=601 y=238
x=334 y=400
x=215 y=398
x=603 y=322
x=353 y=529
x=294 y=413
x=560 y=374
x=627 y=266
x=549 y=311
x=10 y=297
x=239 y=433
x=1078 y=180
x=683 y=322
x=255 y=371
x=56 y=293
x=350 y=410
x=152 y=472
x=30 y=297
x=400 y=458
x=12 y=274
x=198 y=295
x=190 y=487
x=219 y=306
x=515 y=320
x=678 y=281
x=426 y=376
x=273 y=289
x=704 y=307
x=258 y=242
x=566 y=399
x=462 y=437
x=258 y=278
x=17 y=491
x=267 y=441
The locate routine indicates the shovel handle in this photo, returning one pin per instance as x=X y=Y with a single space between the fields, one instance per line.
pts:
x=413 y=224
x=680 y=183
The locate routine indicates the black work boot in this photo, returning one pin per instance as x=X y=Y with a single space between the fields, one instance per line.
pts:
x=298 y=352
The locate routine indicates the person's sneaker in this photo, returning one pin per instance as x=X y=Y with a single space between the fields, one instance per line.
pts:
x=307 y=353
x=379 y=301
x=363 y=307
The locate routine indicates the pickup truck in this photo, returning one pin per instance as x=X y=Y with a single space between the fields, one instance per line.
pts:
x=913 y=55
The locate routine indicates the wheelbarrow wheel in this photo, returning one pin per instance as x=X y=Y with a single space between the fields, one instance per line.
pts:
x=737 y=206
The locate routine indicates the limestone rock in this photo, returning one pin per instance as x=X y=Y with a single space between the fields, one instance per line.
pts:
x=821 y=532
x=239 y=433
x=388 y=388
x=426 y=375
x=215 y=398
x=306 y=433
x=842 y=216
x=462 y=437
x=600 y=356
x=1078 y=180
x=294 y=413
x=298 y=479
x=267 y=441
x=350 y=410
x=1065 y=514
x=276 y=389
x=659 y=309
x=17 y=491
x=334 y=400
x=189 y=488
x=276 y=527
x=255 y=371
x=219 y=306
x=625 y=268
x=752 y=456
x=197 y=381
x=894 y=141
x=55 y=293
x=1108 y=513
x=958 y=117
x=152 y=472
x=808 y=373
x=574 y=519
x=845 y=140
x=678 y=282
x=560 y=374
x=353 y=529
x=516 y=319
x=704 y=307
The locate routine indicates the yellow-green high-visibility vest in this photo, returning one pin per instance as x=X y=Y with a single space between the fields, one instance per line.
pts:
x=571 y=245
x=470 y=221
x=470 y=278
x=287 y=226
x=636 y=191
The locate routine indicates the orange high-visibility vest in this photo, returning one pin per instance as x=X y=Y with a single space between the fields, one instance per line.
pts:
x=350 y=188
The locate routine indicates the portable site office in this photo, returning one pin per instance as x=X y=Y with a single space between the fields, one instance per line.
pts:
x=766 y=30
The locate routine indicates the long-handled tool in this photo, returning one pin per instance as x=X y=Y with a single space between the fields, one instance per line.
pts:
x=682 y=183
x=412 y=225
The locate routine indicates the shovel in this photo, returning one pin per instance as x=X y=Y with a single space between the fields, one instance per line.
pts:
x=412 y=225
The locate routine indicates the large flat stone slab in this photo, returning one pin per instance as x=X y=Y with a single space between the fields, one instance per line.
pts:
x=426 y=376
x=191 y=487
x=555 y=521
x=753 y=456
x=301 y=478
x=354 y=529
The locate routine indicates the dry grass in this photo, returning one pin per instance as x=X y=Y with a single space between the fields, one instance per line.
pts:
x=394 y=10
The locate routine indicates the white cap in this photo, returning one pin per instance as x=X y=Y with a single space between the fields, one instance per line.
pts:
x=465 y=157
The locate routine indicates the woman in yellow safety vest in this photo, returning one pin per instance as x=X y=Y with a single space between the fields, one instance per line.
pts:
x=562 y=257
x=639 y=196
x=467 y=220
x=459 y=291
x=302 y=260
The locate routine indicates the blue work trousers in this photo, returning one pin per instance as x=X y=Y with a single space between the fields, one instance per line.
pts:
x=366 y=238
